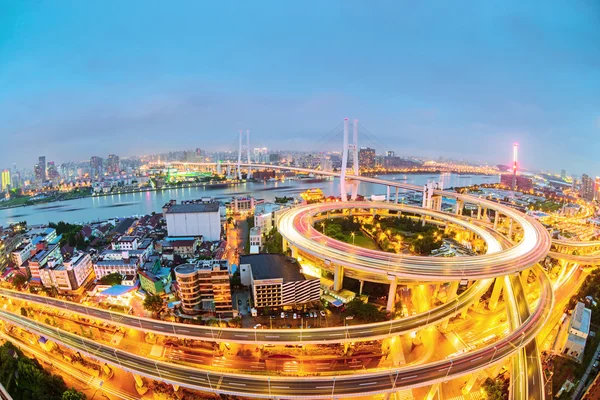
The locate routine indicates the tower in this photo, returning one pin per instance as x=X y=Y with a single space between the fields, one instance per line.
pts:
x=346 y=147
x=514 y=179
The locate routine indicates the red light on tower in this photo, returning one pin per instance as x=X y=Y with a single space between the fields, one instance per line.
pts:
x=515 y=148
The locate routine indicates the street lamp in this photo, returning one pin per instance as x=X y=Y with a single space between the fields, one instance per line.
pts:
x=323 y=226
x=352 y=238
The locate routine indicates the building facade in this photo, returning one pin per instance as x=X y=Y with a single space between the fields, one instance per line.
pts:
x=276 y=281
x=204 y=287
x=194 y=219
x=579 y=329
x=67 y=275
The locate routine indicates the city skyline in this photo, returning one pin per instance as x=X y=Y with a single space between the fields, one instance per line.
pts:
x=448 y=87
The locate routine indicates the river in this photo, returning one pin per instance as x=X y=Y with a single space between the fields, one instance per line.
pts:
x=124 y=205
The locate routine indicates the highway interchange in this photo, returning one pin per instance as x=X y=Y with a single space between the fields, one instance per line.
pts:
x=501 y=261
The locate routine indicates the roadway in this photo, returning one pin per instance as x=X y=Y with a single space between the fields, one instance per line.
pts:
x=296 y=227
x=357 y=384
x=339 y=334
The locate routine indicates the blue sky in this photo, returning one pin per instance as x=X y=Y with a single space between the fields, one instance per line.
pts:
x=462 y=79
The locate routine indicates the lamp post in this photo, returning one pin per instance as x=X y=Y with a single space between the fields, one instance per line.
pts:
x=352 y=238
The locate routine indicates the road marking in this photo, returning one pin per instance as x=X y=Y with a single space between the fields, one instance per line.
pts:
x=323 y=363
x=323 y=387
x=241 y=336
x=237 y=384
x=478 y=358
x=280 y=387
x=271 y=336
x=256 y=366
x=408 y=377
x=157 y=326
x=183 y=330
x=197 y=378
x=367 y=384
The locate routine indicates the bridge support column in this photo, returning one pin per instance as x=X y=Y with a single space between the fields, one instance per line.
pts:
x=478 y=211
x=396 y=198
x=391 y=302
x=524 y=275
x=362 y=283
x=496 y=217
x=469 y=385
x=498 y=286
x=338 y=278
x=450 y=295
x=285 y=244
x=432 y=391
x=436 y=203
x=387 y=195
x=460 y=205
x=294 y=251
x=510 y=229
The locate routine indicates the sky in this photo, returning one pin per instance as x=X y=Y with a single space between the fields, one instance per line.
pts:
x=460 y=79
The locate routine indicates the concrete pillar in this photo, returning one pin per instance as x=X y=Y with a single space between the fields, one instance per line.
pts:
x=387 y=196
x=391 y=303
x=469 y=385
x=510 y=229
x=498 y=286
x=294 y=252
x=464 y=312
x=338 y=278
x=478 y=211
x=138 y=380
x=524 y=275
x=496 y=217
x=396 y=199
x=432 y=391
x=362 y=283
x=459 y=207
x=285 y=245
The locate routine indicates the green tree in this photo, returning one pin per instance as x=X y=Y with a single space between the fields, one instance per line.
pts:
x=18 y=281
x=153 y=303
x=23 y=312
x=111 y=279
x=73 y=394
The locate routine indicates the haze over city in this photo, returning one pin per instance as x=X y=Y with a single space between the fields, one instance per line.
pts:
x=461 y=80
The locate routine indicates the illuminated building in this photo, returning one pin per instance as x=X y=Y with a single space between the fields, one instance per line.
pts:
x=194 y=219
x=586 y=189
x=5 y=180
x=204 y=286
x=521 y=182
x=313 y=195
x=366 y=157
x=69 y=274
x=95 y=166
x=276 y=281
x=579 y=329
x=112 y=165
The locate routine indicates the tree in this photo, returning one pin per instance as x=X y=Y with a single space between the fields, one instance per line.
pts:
x=153 y=303
x=111 y=279
x=73 y=394
x=18 y=281
x=23 y=312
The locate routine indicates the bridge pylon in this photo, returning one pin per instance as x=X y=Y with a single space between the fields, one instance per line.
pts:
x=346 y=148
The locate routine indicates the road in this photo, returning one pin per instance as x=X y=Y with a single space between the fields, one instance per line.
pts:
x=339 y=334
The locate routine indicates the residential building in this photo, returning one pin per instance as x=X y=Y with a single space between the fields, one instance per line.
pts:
x=40 y=259
x=255 y=240
x=8 y=242
x=242 y=205
x=276 y=281
x=5 y=180
x=68 y=275
x=366 y=157
x=155 y=279
x=586 y=189
x=264 y=217
x=579 y=329
x=125 y=243
x=22 y=253
x=182 y=247
x=113 y=166
x=40 y=170
x=96 y=169
x=126 y=265
x=194 y=219
x=204 y=287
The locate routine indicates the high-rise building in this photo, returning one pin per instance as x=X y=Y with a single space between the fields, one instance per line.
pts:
x=5 y=180
x=40 y=169
x=563 y=173
x=113 y=165
x=586 y=189
x=366 y=157
x=391 y=153
x=204 y=287
x=96 y=166
x=52 y=172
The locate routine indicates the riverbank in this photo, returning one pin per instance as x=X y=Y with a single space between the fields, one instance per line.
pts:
x=27 y=202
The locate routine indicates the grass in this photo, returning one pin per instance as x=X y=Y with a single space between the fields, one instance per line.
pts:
x=363 y=241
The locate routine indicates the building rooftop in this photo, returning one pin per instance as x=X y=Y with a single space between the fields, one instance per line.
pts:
x=193 y=208
x=274 y=266
x=581 y=319
x=266 y=208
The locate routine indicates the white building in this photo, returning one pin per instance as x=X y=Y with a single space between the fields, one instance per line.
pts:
x=125 y=243
x=68 y=275
x=22 y=253
x=579 y=329
x=124 y=266
x=242 y=205
x=264 y=217
x=255 y=240
x=195 y=219
x=276 y=281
